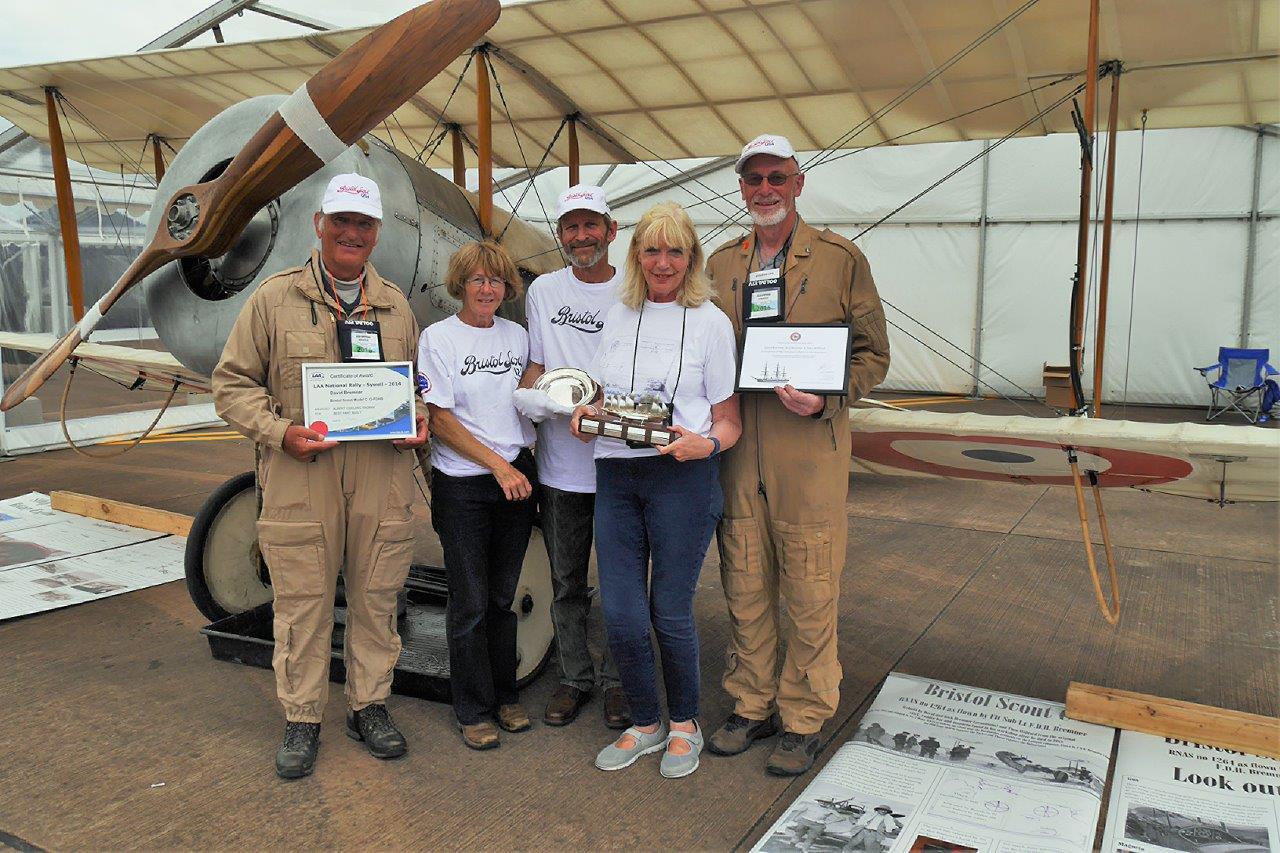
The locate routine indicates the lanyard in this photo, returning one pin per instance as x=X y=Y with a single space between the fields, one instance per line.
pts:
x=328 y=279
x=684 y=319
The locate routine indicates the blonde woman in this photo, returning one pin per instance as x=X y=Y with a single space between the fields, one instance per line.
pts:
x=483 y=483
x=668 y=342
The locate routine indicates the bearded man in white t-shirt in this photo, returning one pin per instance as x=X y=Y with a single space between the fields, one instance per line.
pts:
x=566 y=311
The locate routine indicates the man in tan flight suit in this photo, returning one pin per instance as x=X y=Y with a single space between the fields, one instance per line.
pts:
x=784 y=528
x=327 y=507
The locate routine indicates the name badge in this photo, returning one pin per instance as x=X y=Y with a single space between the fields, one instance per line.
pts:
x=765 y=295
x=360 y=340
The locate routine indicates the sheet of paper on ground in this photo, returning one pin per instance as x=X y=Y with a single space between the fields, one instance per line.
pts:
x=957 y=768
x=1169 y=794
x=51 y=559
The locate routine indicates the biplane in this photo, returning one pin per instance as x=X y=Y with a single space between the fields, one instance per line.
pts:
x=259 y=127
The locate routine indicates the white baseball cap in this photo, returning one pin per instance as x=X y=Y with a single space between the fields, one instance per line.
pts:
x=582 y=197
x=765 y=143
x=352 y=194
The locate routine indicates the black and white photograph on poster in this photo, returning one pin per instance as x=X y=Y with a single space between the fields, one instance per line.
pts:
x=857 y=822
x=1024 y=762
x=1169 y=830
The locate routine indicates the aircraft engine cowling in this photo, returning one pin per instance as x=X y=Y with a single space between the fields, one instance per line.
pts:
x=194 y=302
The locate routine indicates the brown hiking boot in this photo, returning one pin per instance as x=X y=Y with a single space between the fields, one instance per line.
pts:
x=482 y=735
x=794 y=754
x=617 y=711
x=512 y=718
x=738 y=733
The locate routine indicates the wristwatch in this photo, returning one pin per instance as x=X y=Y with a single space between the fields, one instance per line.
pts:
x=716 y=446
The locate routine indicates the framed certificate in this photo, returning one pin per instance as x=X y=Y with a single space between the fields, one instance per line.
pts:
x=807 y=356
x=359 y=402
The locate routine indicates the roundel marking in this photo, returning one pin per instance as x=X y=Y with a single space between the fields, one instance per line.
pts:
x=1022 y=460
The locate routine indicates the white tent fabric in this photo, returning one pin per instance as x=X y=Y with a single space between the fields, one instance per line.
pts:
x=1197 y=189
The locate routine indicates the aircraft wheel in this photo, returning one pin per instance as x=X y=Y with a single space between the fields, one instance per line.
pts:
x=532 y=605
x=224 y=568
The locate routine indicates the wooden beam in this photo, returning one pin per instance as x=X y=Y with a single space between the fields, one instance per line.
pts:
x=66 y=206
x=484 y=140
x=1171 y=718
x=158 y=156
x=1076 y=342
x=145 y=517
x=459 y=156
x=575 y=173
x=1104 y=280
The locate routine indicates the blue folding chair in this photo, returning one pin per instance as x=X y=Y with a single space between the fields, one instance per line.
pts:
x=1241 y=378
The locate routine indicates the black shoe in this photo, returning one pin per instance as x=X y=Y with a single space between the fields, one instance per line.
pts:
x=794 y=754
x=373 y=725
x=297 y=755
x=738 y=733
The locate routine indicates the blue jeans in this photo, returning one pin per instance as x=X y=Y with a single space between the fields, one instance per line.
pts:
x=657 y=507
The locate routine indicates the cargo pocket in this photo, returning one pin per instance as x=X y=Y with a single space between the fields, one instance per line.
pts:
x=299 y=348
x=741 y=556
x=824 y=677
x=806 y=560
x=393 y=549
x=294 y=552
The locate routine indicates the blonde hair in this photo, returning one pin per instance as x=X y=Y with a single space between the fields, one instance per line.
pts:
x=488 y=256
x=666 y=224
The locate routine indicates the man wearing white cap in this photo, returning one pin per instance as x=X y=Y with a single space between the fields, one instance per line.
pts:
x=566 y=311
x=784 y=528
x=327 y=507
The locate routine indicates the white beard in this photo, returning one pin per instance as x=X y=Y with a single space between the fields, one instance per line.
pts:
x=768 y=220
x=596 y=257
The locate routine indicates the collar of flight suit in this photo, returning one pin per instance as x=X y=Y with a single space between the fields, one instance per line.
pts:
x=795 y=268
x=376 y=291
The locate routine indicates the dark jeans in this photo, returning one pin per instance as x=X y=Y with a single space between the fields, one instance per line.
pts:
x=660 y=508
x=566 y=529
x=484 y=537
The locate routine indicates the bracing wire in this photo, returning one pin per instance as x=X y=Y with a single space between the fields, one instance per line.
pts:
x=533 y=176
x=445 y=109
x=515 y=134
x=1133 y=277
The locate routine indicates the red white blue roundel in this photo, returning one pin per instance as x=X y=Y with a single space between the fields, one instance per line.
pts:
x=1022 y=460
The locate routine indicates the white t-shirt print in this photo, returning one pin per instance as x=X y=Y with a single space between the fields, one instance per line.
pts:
x=472 y=372
x=566 y=326
x=706 y=374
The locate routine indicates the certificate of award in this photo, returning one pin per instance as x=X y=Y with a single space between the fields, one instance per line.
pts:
x=359 y=402
x=808 y=357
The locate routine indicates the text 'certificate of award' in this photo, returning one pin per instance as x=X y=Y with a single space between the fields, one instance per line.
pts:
x=359 y=402
x=812 y=358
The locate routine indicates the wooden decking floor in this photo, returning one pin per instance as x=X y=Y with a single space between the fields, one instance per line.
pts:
x=977 y=583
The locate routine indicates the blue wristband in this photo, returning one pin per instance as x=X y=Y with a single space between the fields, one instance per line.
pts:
x=716 y=448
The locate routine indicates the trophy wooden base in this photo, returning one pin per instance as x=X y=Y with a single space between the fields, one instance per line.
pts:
x=656 y=435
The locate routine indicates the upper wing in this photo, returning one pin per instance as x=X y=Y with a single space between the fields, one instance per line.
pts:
x=692 y=78
x=135 y=368
x=1195 y=460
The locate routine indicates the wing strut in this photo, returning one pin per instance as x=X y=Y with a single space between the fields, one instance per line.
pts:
x=1110 y=612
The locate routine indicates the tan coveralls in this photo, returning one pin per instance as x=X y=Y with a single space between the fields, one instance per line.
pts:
x=348 y=510
x=784 y=529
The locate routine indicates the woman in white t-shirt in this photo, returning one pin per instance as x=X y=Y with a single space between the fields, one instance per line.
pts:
x=483 y=482
x=667 y=341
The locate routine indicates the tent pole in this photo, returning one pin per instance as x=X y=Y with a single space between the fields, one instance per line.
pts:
x=1100 y=340
x=459 y=158
x=484 y=139
x=574 y=168
x=1086 y=184
x=66 y=206
x=158 y=156
x=1250 y=257
x=982 y=269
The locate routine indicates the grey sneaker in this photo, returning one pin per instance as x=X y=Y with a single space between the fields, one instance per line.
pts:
x=674 y=766
x=612 y=757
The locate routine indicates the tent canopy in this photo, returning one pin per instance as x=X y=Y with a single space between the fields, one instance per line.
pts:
x=666 y=79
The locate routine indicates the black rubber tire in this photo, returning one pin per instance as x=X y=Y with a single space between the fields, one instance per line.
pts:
x=201 y=525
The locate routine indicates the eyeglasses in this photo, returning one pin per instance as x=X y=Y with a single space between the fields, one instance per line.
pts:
x=775 y=179
x=478 y=281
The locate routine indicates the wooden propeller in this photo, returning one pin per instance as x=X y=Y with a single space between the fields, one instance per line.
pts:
x=345 y=99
